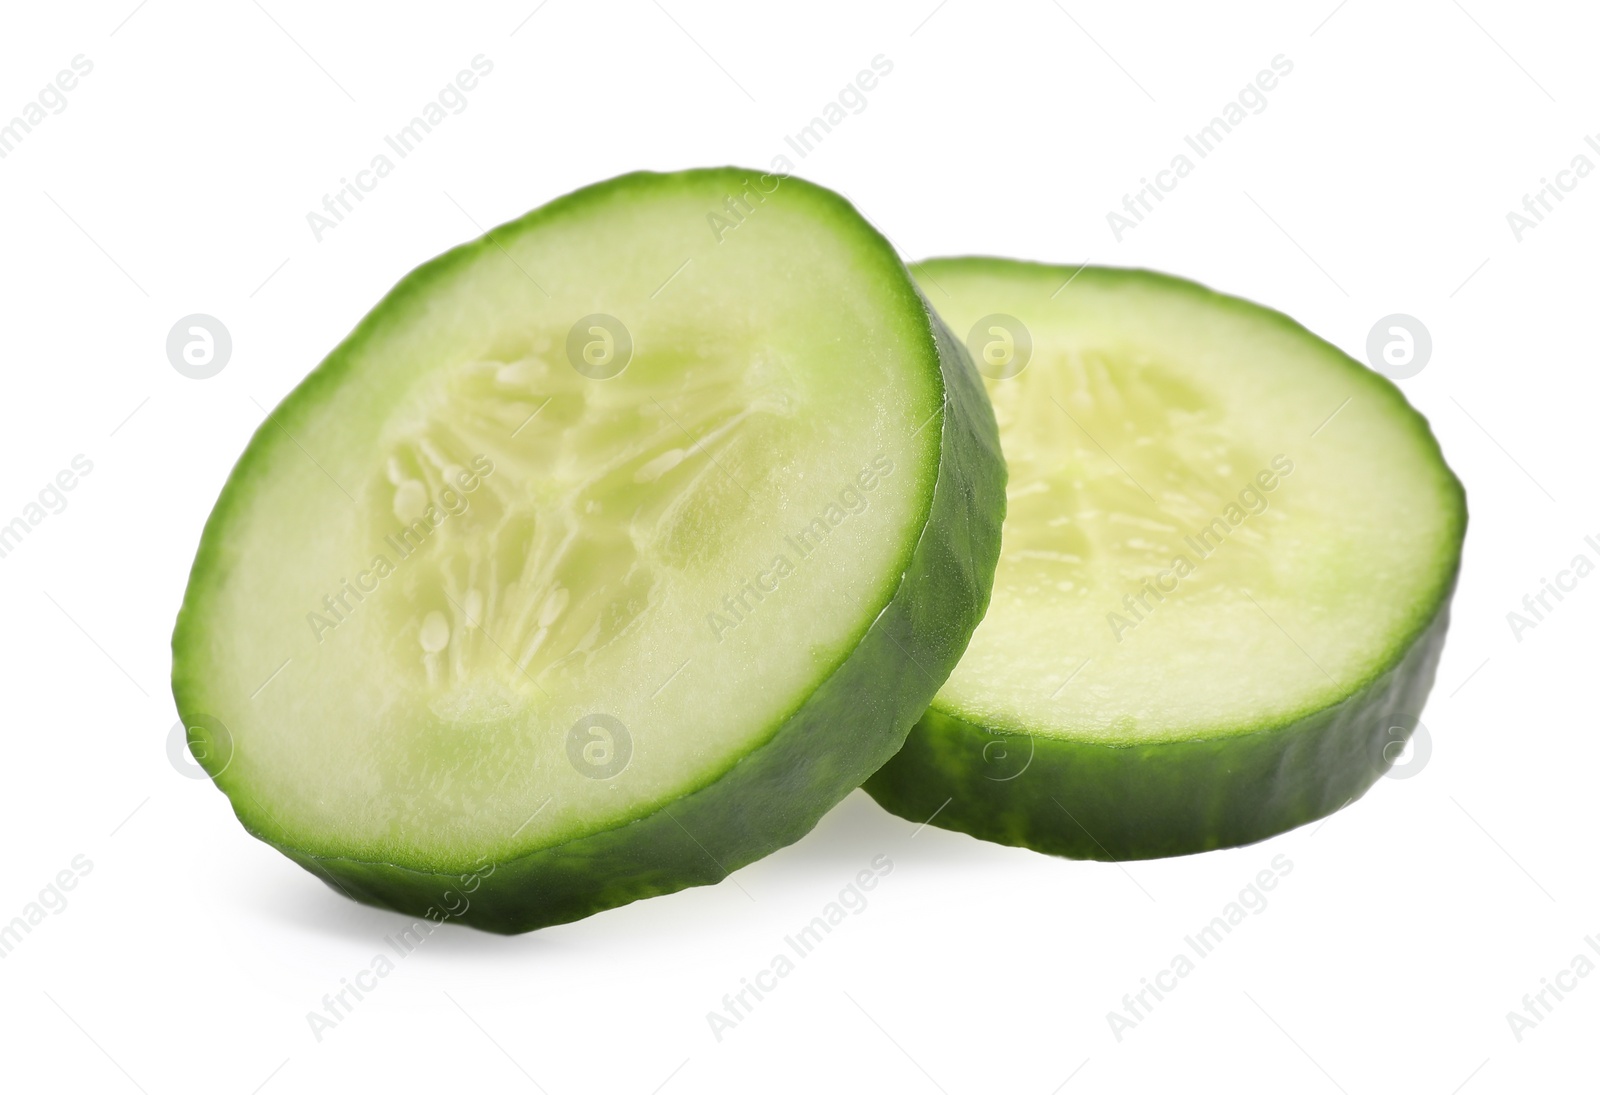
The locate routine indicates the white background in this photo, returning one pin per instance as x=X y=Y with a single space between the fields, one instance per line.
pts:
x=1378 y=180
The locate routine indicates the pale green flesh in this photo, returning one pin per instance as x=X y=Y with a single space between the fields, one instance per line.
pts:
x=1147 y=411
x=618 y=551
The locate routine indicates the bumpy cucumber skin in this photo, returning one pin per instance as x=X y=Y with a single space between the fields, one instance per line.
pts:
x=855 y=720
x=1121 y=801
x=1088 y=800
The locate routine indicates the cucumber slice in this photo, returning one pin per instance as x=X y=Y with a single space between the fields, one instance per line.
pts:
x=601 y=559
x=1228 y=561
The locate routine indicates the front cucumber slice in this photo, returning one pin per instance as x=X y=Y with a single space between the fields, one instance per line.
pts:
x=604 y=556
x=1227 y=569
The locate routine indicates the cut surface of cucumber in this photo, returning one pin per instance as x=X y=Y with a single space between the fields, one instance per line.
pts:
x=1228 y=558
x=602 y=558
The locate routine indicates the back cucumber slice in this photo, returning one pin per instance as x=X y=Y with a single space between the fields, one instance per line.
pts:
x=1225 y=583
x=602 y=558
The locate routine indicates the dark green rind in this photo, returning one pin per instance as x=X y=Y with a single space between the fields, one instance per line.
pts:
x=1093 y=801
x=855 y=720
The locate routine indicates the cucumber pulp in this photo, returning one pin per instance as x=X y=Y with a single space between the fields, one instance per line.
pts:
x=1228 y=558
x=560 y=572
